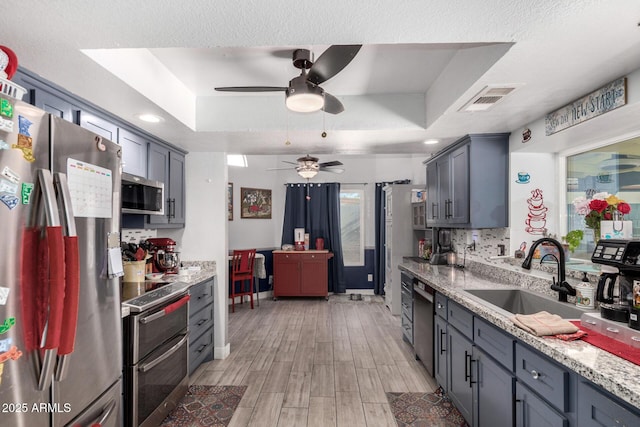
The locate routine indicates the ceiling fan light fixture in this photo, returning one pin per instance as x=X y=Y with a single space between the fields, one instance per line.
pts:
x=307 y=173
x=305 y=102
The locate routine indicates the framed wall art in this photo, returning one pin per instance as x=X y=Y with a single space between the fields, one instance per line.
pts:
x=255 y=203
x=230 y=201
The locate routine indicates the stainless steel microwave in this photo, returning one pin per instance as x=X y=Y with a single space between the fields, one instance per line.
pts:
x=142 y=196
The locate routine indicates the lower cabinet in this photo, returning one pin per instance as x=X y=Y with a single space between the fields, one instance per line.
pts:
x=494 y=400
x=440 y=349
x=533 y=411
x=200 y=324
x=597 y=408
x=303 y=273
x=461 y=384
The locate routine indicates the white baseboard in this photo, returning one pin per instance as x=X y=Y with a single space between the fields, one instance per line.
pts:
x=360 y=291
x=222 y=352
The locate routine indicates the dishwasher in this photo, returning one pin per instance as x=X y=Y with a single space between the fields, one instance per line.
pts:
x=423 y=300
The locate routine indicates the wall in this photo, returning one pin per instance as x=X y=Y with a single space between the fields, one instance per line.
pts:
x=204 y=237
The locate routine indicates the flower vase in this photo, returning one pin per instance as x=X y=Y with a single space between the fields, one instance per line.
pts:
x=596 y=234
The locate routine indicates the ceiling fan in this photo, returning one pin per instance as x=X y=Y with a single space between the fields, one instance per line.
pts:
x=308 y=166
x=304 y=93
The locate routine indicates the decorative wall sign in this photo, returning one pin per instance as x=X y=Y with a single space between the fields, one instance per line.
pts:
x=255 y=203
x=230 y=201
x=526 y=135
x=603 y=100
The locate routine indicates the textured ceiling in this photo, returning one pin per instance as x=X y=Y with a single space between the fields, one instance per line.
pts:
x=421 y=61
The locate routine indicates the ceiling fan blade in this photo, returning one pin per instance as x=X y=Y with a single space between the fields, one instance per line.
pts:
x=291 y=163
x=331 y=62
x=251 y=89
x=280 y=169
x=332 y=105
x=332 y=170
x=331 y=163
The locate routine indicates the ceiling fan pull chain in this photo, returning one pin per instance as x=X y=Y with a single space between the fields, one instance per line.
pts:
x=324 y=127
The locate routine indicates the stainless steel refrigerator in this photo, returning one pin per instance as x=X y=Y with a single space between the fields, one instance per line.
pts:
x=58 y=181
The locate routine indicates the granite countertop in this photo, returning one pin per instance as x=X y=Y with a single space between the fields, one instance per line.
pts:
x=206 y=272
x=618 y=376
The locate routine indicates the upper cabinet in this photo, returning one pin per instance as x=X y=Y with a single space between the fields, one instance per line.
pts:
x=467 y=183
x=167 y=166
x=142 y=154
x=134 y=152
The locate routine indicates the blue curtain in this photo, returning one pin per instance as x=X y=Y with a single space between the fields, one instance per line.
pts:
x=316 y=208
x=378 y=272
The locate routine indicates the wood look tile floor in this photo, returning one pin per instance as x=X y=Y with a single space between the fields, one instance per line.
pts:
x=309 y=362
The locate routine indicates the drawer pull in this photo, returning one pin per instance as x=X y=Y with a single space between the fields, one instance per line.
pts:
x=442 y=349
x=613 y=330
x=202 y=347
x=440 y=306
x=535 y=374
x=467 y=366
x=201 y=322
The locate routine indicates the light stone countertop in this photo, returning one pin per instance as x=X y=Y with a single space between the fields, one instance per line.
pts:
x=618 y=376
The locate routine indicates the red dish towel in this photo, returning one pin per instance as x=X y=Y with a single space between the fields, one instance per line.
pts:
x=617 y=348
x=571 y=337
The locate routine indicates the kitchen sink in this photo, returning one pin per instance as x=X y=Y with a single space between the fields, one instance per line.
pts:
x=520 y=301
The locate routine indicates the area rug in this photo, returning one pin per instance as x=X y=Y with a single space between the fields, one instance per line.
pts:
x=206 y=405
x=425 y=409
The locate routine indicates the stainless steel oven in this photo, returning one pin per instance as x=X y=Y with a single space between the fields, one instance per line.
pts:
x=156 y=355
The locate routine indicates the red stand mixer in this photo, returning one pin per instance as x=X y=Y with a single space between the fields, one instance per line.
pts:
x=164 y=256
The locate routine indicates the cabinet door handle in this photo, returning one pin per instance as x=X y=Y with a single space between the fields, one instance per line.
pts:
x=173 y=208
x=535 y=374
x=440 y=306
x=467 y=365
x=471 y=382
x=442 y=349
x=202 y=347
x=433 y=212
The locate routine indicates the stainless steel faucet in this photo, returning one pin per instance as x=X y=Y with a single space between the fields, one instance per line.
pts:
x=561 y=285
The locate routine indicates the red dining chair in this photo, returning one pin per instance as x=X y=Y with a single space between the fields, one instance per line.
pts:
x=242 y=271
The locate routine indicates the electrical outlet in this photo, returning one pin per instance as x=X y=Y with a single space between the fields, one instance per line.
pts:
x=369 y=277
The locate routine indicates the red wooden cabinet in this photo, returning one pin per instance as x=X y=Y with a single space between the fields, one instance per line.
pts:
x=303 y=273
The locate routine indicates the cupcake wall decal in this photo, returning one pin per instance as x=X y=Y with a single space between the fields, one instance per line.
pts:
x=536 y=220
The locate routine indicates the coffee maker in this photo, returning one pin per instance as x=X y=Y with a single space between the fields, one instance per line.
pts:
x=619 y=285
x=441 y=245
x=165 y=258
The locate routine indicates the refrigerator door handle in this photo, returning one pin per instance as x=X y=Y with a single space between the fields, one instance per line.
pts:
x=104 y=415
x=45 y=198
x=72 y=277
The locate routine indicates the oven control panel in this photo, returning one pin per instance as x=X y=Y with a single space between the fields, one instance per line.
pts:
x=156 y=297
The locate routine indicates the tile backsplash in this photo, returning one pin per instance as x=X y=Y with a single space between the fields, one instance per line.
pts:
x=486 y=244
x=134 y=235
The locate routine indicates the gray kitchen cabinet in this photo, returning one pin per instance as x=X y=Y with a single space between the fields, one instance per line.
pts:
x=134 y=152
x=532 y=411
x=441 y=351
x=597 y=407
x=461 y=383
x=494 y=404
x=467 y=184
x=200 y=324
x=407 y=307
x=98 y=125
x=167 y=166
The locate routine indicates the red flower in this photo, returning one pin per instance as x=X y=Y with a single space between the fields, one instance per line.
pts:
x=598 y=205
x=607 y=216
x=624 y=208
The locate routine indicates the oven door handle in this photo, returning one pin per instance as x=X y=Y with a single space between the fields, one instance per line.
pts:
x=148 y=366
x=168 y=309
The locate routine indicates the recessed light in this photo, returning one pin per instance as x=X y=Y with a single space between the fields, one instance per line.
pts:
x=150 y=118
x=431 y=141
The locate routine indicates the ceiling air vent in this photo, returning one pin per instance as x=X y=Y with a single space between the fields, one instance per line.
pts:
x=488 y=97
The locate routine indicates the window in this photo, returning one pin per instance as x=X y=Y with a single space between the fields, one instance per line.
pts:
x=614 y=169
x=352 y=224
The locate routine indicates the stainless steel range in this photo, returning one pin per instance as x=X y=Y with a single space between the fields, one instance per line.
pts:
x=156 y=353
